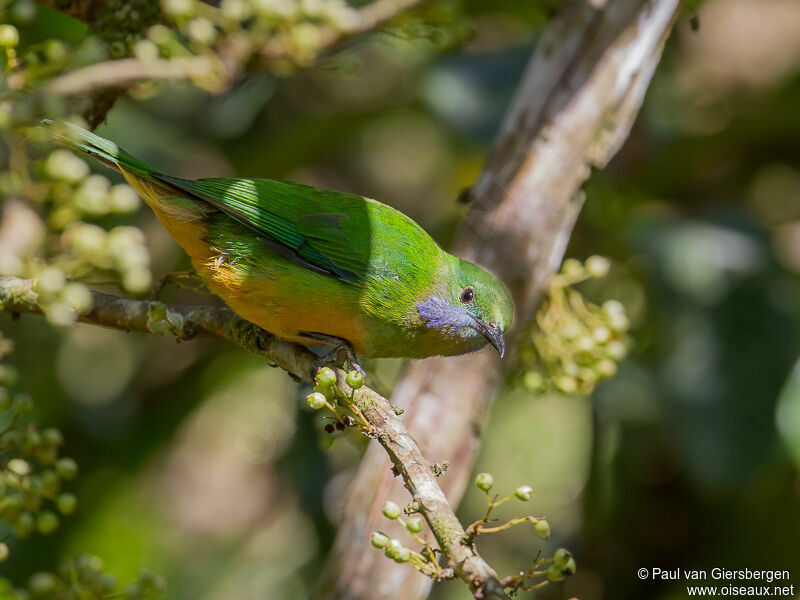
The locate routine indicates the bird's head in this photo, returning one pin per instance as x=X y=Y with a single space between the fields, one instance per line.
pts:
x=469 y=306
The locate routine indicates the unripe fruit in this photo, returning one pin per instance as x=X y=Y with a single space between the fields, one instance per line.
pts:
x=561 y=557
x=325 y=377
x=316 y=400
x=391 y=510
x=66 y=503
x=484 y=481
x=414 y=524
x=9 y=36
x=542 y=529
x=157 y=311
x=598 y=266
x=402 y=555
x=378 y=539
x=355 y=379
x=47 y=522
x=524 y=492
x=554 y=573
x=569 y=568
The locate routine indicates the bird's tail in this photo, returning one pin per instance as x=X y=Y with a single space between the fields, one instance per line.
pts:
x=101 y=149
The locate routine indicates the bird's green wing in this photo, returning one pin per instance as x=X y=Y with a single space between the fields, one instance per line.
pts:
x=319 y=229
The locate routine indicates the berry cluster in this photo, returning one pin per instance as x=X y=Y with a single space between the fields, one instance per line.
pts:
x=31 y=471
x=84 y=577
x=574 y=343
x=544 y=570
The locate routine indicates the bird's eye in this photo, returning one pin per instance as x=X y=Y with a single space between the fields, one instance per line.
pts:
x=467 y=294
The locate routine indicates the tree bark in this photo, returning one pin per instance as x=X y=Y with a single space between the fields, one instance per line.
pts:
x=578 y=98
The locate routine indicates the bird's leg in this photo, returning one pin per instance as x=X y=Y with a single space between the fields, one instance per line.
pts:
x=176 y=278
x=338 y=347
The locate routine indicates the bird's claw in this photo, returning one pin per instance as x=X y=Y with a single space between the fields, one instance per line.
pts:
x=333 y=358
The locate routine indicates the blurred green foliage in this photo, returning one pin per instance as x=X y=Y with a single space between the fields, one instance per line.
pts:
x=204 y=464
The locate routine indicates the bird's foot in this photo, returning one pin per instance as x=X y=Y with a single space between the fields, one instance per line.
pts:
x=334 y=358
x=189 y=280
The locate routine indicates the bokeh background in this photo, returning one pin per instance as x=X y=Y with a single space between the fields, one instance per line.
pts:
x=201 y=462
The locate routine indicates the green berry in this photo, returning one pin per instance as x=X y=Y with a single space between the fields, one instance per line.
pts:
x=554 y=573
x=326 y=391
x=402 y=555
x=47 y=522
x=598 y=266
x=19 y=467
x=572 y=266
x=178 y=8
x=9 y=36
x=534 y=382
x=43 y=584
x=316 y=400
x=175 y=319
x=3 y=551
x=66 y=503
x=484 y=481
x=355 y=379
x=414 y=524
x=157 y=311
x=391 y=510
x=524 y=492
x=566 y=384
x=542 y=528
x=616 y=350
x=379 y=540
x=393 y=547
x=569 y=568
x=606 y=368
x=561 y=557
x=67 y=468
x=24 y=11
x=325 y=377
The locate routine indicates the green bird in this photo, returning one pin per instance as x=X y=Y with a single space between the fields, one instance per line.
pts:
x=319 y=267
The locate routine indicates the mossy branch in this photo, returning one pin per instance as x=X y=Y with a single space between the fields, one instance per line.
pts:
x=18 y=296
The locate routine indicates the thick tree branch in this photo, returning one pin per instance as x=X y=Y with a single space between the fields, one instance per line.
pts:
x=573 y=109
x=19 y=296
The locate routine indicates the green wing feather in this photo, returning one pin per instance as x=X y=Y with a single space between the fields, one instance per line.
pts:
x=318 y=226
x=343 y=235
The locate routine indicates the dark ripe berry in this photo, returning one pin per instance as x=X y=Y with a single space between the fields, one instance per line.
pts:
x=339 y=426
x=329 y=428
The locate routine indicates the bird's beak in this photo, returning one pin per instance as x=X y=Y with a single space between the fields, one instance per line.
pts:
x=492 y=333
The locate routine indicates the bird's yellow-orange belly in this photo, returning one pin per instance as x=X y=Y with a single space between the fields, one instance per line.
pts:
x=287 y=303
